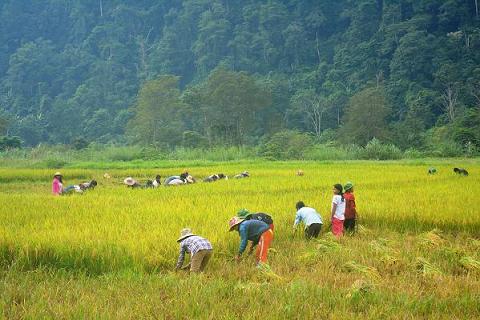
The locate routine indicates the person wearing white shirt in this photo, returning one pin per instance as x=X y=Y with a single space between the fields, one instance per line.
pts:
x=338 y=210
x=311 y=219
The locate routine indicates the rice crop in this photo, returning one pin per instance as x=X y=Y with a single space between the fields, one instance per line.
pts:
x=111 y=252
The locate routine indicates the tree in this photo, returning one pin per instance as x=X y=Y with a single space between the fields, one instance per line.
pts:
x=231 y=101
x=366 y=117
x=156 y=113
x=312 y=106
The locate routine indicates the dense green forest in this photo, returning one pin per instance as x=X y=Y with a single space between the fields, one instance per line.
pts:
x=200 y=73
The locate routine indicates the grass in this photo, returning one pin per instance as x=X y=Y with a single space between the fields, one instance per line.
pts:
x=110 y=253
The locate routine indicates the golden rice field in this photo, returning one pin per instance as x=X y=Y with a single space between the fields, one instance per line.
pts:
x=110 y=253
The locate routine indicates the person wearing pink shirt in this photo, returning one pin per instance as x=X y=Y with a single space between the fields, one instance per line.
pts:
x=57 y=184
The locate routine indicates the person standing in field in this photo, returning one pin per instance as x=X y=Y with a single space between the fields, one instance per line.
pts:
x=338 y=210
x=350 y=208
x=256 y=231
x=310 y=217
x=57 y=184
x=200 y=250
x=247 y=215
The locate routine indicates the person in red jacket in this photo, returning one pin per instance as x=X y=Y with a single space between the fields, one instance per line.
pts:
x=350 y=209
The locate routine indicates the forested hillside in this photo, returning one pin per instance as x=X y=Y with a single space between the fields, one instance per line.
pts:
x=209 y=72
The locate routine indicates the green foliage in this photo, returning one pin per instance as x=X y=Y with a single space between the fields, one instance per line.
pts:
x=7 y=143
x=192 y=139
x=244 y=70
x=287 y=145
x=375 y=150
x=366 y=117
x=80 y=143
x=157 y=113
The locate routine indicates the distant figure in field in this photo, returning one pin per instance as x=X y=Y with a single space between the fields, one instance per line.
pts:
x=310 y=217
x=350 y=208
x=460 y=171
x=57 y=184
x=106 y=175
x=200 y=250
x=300 y=173
x=432 y=170
x=338 y=210
x=247 y=215
x=244 y=174
x=131 y=183
x=157 y=182
x=178 y=180
x=80 y=188
x=215 y=177
x=183 y=178
x=255 y=231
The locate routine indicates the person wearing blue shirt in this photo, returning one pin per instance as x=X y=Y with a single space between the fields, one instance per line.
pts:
x=310 y=217
x=256 y=231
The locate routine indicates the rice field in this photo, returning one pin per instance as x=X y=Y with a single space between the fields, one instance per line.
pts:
x=110 y=253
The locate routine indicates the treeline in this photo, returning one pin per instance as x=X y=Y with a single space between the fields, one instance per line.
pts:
x=204 y=73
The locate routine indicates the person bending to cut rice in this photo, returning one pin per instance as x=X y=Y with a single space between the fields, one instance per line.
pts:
x=255 y=231
x=310 y=217
x=247 y=215
x=199 y=248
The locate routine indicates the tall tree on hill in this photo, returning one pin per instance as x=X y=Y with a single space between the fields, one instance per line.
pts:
x=156 y=119
x=366 y=117
x=231 y=101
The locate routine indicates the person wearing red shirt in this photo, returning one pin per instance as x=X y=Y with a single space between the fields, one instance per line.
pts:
x=350 y=208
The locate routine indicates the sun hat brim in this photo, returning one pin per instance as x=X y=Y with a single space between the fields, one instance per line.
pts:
x=129 y=181
x=185 y=236
x=237 y=223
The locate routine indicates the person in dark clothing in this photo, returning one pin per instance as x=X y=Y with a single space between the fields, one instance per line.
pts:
x=460 y=171
x=350 y=209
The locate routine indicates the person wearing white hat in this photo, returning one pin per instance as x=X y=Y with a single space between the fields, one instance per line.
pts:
x=57 y=184
x=199 y=248
x=130 y=182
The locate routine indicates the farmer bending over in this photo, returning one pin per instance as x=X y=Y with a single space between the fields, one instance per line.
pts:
x=310 y=217
x=245 y=214
x=256 y=231
x=199 y=248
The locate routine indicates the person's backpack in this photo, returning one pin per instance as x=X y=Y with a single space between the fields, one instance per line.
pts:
x=260 y=216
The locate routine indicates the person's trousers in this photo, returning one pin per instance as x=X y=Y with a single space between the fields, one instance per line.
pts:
x=263 y=245
x=349 y=225
x=337 y=227
x=200 y=260
x=312 y=230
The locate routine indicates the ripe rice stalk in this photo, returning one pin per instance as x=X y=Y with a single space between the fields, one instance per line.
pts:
x=328 y=245
x=427 y=268
x=470 y=263
x=370 y=272
x=389 y=260
x=267 y=271
x=361 y=229
x=360 y=287
x=432 y=238
x=379 y=246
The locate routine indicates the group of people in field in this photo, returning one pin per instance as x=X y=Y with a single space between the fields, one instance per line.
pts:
x=254 y=227
x=258 y=229
x=59 y=189
x=184 y=178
